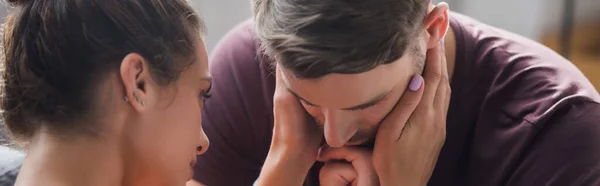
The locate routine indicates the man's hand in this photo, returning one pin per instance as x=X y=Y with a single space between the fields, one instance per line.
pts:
x=410 y=138
x=347 y=166
x=295 y=142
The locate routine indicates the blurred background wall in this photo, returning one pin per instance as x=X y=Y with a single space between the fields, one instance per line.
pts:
x=540 y=20
x=530 y=18
x=518 y=16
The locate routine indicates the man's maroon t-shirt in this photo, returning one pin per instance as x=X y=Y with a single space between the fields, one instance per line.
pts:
x=520 y=114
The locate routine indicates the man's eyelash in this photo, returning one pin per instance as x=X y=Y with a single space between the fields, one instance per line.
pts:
x=370 y=106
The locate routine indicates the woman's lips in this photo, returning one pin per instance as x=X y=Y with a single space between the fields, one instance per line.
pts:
x=192 y=164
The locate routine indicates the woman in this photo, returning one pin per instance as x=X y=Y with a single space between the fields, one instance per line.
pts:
x=105 y=92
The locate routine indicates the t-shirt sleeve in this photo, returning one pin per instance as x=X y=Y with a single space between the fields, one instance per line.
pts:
x=237 y=119
x=566 y=152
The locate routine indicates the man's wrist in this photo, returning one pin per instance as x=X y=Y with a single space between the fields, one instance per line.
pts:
x=405 y=179
x=285 y=167
x=299 y=156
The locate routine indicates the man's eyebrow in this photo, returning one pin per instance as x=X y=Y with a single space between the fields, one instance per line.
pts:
x=373 y=101
x=297 y=96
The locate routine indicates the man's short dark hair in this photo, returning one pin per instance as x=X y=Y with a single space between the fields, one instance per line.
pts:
x=313 y=38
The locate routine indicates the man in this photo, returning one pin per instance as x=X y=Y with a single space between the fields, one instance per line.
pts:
x=519 y=114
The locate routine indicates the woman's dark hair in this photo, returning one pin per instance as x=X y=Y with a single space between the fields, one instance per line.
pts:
x=56 y=52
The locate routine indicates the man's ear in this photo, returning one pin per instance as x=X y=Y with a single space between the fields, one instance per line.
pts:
x=135 y=76
x=436 y=23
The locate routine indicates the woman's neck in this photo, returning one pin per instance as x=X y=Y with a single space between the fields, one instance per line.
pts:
x=83 y=161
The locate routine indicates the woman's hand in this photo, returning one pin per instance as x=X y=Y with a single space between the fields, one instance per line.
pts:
x=295 y=143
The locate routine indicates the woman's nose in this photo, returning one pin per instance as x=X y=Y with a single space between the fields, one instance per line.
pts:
x=204 y=143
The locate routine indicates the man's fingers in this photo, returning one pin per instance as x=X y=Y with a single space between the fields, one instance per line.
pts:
x=358 y=157
x=393 y=124
x=367 y=176
x=349 y=154
x=337 y=174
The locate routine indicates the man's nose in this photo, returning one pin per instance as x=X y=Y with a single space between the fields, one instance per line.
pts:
x=338 y=128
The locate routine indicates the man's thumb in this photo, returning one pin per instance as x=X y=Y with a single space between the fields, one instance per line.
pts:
x=337 y=174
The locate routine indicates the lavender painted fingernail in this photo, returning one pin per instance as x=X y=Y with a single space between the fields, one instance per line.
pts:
x=415 y=83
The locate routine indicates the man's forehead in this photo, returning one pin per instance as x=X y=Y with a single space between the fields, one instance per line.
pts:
x=345 y=91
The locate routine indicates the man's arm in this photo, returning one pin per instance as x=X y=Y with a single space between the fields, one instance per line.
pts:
x=566 y=152
x=238 y=117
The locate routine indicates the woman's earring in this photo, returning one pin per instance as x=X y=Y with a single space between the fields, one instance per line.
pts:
x=125 y=99
x=138 y=99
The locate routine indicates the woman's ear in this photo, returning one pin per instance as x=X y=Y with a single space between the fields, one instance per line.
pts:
x=436 y=23
x=135 y=77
